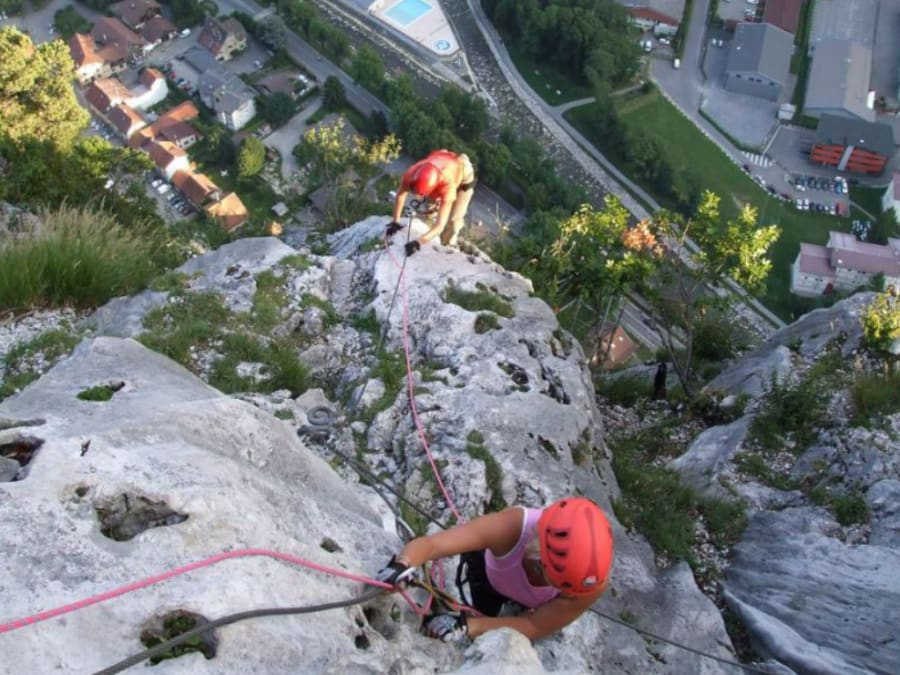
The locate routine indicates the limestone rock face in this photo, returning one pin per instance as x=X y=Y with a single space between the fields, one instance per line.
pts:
x=813 y=602
x=506 y=406
x=816 y=595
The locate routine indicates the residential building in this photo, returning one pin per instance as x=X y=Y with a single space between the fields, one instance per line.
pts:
x=150 y=90
x=106 y=93
x=844 y=264
x=135 y=13
x=196 y=187
x=171 y=126
x=223 y=38
x=167 y=157
x=157 y=30
x=648 y=18
x=854 y=20
x=785 y=14
x=839 y=80
x=759 y=60
x=852 y=145
x=233 y=102
x=126 y=120
x=116 y=43
x=891 y=197
x=616 y=349
x=229 y=212
x=89 y=65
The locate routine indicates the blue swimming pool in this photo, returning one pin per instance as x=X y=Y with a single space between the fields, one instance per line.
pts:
x=407 y=11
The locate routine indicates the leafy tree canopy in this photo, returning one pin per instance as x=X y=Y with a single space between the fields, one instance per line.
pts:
x=37 y=99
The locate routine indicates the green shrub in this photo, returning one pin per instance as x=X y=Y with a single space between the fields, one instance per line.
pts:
x=493 y=474
x=485 y=322
x=268 y=301
x=480 y=300
x=790 y=408
x=850 y=508
x=102 y=392
x=194 y=319
x=625 y=390
x=82 y=257
x=755 y=464
x=875 y=395
x=881 y=320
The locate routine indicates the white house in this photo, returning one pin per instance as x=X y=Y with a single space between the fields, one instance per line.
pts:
x=843 y=264
x=646 y=18
x=150 y=90
x=168 y=157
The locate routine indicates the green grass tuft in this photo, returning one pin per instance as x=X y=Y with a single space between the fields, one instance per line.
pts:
x=482 y=300
x=20 y=366
x=875 y=396
x=493 y=474
x=485 y=322
x=101 y=392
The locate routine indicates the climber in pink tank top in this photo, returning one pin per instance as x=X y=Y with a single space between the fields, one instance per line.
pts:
x=553 y=561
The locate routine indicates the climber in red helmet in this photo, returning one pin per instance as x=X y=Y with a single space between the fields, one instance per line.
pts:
x=553 y=561
x=443 y=178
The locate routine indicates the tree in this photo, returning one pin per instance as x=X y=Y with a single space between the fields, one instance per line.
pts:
x=278 y=108
x=690 y=280
x=881 y=321
x=597 y=257
x=272 y=32
x=367 y=68
x=334 y=97
x=37 y=99
x=221 y=147
x=344 y=164
x=251 y=158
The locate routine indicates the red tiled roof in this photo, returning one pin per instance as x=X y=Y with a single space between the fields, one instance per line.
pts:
x=105 y=93
x=650 y=14
x=229 y=211
x=177 y=132
x=157 y=28
x=783 y=13
x=163 y=153
x=215 y=32
x=171 y=126
x=620 y=349
x=150 y=75
x=133 y=12
x=116 y=40
x=82 y=49
x=125 y=118
x=197 y=187
x=183 y=112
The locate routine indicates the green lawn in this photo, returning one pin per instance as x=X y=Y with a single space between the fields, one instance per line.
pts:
x=689 y=150
x=546 y=80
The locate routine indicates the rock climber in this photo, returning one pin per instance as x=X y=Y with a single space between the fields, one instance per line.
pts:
x=446 y=180
x=554 y=561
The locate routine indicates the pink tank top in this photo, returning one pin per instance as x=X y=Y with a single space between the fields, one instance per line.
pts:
x=506 y=574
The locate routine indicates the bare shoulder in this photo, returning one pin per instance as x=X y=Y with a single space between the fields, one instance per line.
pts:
x=503 y=529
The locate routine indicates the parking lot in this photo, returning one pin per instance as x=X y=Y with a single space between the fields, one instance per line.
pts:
x=171 y=204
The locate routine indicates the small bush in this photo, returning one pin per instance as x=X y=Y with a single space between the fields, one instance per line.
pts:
x=790 y=408
x=367 y=323
x=102 y=392
x=170 y=282
x=754 y=464
x=850 y=508
x=331 y=315
x=625 y=390
x=881 y=320
x=875 y=395
x=485 y=322
x=493 y=474
x=268 y=301
x=81 y=257
x=191 y=320
x=481 y=300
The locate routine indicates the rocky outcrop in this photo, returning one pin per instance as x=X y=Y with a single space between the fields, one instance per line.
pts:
x=170 y=471
x=818 y=596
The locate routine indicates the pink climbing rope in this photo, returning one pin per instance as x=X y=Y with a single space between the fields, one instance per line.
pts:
x=206 y=562
x=409 y=382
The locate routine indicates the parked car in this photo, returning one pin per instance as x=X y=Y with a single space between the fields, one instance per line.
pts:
x=185 y=32
x=745 y=168
x=771 y=189
x=155 y=183
x=164 y=188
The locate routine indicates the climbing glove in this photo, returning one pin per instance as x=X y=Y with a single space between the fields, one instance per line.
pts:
x=393 y=228
x=447 y=627
x=396 y=573
x=411 y=247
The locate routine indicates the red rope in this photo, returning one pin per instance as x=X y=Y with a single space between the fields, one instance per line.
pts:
x=206 y=562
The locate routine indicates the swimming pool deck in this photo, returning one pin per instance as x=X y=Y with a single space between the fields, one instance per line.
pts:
x=431 y=30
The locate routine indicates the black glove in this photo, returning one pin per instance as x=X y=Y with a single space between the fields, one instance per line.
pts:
x=393 y=228
x=395 y=573
x=447 y=627
x=411 y=247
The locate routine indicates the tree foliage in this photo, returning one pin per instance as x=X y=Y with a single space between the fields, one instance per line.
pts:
x=367 y=68
x=334 y=97
x=343 y=163
x=881 y=320
x=251 y=158
x=37 y=98
x=186 y=13
x=278 y=108
x=689 y=282
x=272 y=32
x=589 y=40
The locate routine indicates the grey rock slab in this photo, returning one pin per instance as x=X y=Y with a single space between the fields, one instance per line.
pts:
x=9 y=469
x=883 y=499
x=753 y=374
x=812 y=332
x=811 y=601
x=124 y=317
x=711 y=453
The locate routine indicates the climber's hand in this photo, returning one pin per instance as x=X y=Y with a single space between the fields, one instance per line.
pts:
x=393 y=228
x=411 y=247
x=447 y=627
x=396 y=573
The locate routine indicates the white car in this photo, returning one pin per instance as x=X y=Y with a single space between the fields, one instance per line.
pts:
x=164 y=188
x=185 y=32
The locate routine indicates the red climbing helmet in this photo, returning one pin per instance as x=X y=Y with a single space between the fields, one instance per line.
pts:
x=576 y=545
x=425 y=179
